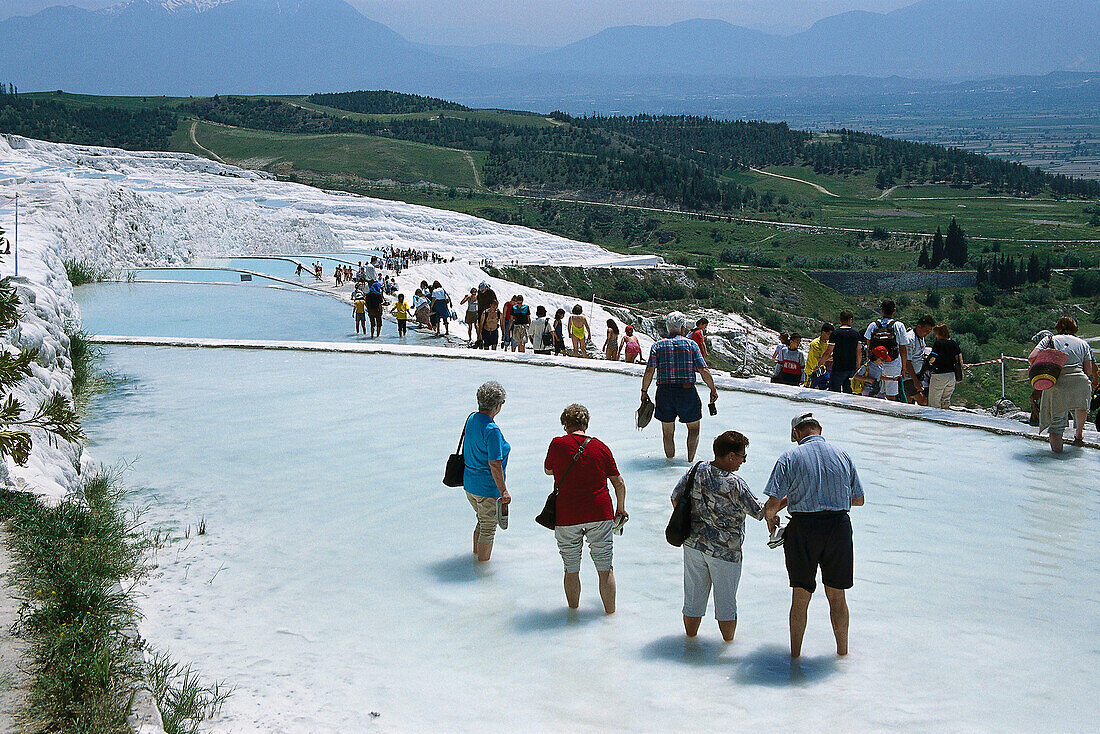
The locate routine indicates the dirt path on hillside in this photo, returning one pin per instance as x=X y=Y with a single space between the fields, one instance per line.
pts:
x=886 y=193
x=200 y=146
x=819 y=187
x=473 y=164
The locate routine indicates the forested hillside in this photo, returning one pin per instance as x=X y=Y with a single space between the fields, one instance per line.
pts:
x=147 y=129
x=680 y=161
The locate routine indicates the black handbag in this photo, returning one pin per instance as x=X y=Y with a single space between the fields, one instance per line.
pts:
x=679 y=525
x=453 y=476
x=548 y=518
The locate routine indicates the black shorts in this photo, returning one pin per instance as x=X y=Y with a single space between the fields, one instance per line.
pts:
x=819 y=539
x=677 y=400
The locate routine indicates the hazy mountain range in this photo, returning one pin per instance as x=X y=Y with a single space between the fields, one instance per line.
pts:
x=293 y=46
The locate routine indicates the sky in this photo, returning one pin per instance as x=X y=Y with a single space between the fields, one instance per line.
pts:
x=554 y=22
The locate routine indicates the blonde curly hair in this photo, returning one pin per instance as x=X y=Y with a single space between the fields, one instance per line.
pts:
x=575 y=416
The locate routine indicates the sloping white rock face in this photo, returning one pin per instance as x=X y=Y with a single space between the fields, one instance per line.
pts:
x=135 y=208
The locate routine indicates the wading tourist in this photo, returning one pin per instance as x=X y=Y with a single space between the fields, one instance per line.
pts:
x=632 y=348
x=887 y=331
x=486 y=458
x=490 y=326
x=914 y=387
x=945 y=361
x=582 y=466
x=611 y=346
x=400 y=312
x=470 y=299
x=521 y=324
x=846 y=352
x=359 y=308
x=579 y=331
x=375 y=301
x=542 y=332
x=441 y=308
x=1073 y=390
x=815 y=355
x=674 y=362
x=559 y=334
x=792 y=361
x=699 y=335
x=820 y=485
x=720 y=500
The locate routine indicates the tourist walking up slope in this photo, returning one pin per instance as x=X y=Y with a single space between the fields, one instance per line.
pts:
x=486 y=461
x=712 y=552
x=675 y=361
x=582 y=466
x=1073 y=390
x=820 y=485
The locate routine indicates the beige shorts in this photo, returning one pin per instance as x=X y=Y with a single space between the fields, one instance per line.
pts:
x=519 y=333
x=486 y=509
x=570 y=544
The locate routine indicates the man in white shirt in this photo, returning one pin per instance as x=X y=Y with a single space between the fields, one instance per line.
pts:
x=914 y=388
x=899 y=351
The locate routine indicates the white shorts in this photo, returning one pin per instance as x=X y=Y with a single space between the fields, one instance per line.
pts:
x=570 y=539
x=701 y=573
x=891 y=369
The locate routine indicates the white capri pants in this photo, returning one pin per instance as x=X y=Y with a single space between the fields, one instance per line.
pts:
x=701 y=573
x=570 y=539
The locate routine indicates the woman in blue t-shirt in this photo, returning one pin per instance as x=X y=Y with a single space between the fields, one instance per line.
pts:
x=486 y=459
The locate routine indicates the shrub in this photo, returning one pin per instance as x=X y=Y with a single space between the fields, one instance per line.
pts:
x=1085 y=283
x=986 y=295
x=971 y=352
x=82 y=271
x=932 y=300
x=880 y=234
x=706 y=271
x=765 y=290
x=904 y=302
x=772 y=321
x=958 y=300
x=975 y=324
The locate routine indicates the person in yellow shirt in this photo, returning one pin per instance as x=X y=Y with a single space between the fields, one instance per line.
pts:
x=359 y=306
x=401 y=311
x=816 y=351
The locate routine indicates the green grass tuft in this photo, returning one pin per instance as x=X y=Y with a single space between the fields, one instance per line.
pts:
x=82 y=271
x=184 y=701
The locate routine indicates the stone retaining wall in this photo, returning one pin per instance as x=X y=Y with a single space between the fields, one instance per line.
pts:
x=861 y=282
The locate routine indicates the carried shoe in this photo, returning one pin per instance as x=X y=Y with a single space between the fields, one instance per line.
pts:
x=502 y=514
x=778 y=536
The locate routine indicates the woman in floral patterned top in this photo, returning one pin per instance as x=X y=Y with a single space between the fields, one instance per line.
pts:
x=720 y=500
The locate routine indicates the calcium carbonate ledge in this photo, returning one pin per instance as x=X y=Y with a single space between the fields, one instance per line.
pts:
x=848 y=402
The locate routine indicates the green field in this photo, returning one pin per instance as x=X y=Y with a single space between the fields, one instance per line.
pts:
x=358 y=156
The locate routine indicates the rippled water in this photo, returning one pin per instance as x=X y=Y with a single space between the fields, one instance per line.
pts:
x=336 y=577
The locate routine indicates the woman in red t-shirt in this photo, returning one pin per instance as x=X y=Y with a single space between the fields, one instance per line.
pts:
x=584 y=504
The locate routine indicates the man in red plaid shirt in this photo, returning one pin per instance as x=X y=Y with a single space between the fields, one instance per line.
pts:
x=675 y=361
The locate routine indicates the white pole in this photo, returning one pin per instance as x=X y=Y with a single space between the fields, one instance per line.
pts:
x=1002 y=375
x=16 y=234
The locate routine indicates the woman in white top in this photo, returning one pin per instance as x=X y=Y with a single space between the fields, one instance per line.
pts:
x=1075 y=384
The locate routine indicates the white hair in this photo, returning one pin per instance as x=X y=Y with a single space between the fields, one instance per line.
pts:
x=490 y=395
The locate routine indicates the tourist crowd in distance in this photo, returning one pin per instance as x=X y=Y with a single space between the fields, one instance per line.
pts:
x=886 y=359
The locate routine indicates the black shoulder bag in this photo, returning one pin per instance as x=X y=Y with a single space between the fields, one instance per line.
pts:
x=456 y=462
x=549 y=516
x=679 y=525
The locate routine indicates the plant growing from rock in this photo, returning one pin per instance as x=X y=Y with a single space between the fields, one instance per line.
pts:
x=54 y=415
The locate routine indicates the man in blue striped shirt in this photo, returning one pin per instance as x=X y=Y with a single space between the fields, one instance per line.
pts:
x=820 y=484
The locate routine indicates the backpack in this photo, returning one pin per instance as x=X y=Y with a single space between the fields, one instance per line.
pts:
x=547 y=334
x=884 y=335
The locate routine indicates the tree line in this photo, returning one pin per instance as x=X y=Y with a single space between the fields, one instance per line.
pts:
x=383 y=102
x=682 y=161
